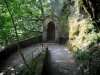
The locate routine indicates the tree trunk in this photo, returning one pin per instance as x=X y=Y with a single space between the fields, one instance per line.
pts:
x=15 y=29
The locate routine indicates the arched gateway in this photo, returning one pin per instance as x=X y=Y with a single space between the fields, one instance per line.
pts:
x=51 y=29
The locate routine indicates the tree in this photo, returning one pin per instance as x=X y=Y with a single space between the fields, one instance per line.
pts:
x=17 y=39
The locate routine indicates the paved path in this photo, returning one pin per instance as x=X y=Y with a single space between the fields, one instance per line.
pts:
x=16 y=57
x=59 y=61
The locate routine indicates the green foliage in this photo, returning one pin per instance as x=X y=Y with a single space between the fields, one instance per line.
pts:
x=35 y=65
x=81 y=55
x=92 y=37
x=83 y=37
x=89 y=28
x=26 y=14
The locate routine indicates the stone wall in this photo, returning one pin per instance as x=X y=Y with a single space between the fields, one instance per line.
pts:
x=12 y=48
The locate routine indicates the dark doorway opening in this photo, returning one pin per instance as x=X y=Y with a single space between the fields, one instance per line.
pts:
x=51 y=31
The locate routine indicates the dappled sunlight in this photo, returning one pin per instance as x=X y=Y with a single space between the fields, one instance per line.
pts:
x=30 y=27
x=66 y=49
x=58 y=49
x=49 y=26
x=61 y=61
x=65 y=71
x=58 y=61
x=72 y=61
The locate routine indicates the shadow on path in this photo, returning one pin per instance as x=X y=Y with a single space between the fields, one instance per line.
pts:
x=59 y=61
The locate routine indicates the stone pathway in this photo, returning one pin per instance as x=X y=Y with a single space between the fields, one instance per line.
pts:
x=16 y=57
x=59 y=61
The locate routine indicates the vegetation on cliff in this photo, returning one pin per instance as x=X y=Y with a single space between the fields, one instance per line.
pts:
x=84 y=34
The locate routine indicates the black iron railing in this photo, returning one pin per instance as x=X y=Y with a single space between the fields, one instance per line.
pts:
x=14 y=70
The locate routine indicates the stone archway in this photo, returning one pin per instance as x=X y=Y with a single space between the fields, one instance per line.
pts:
x=51 y=26
x=51 y=31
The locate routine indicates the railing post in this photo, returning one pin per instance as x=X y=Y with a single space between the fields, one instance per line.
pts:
x=14 y=70
x=32 y=55
x=42 y=47
x=46 y=48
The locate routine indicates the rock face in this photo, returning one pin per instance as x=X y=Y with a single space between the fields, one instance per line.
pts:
x=83 y=14
x=83 y=25
x=95 y=6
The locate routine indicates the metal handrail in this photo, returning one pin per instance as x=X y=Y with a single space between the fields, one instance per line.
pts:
x=32 y=52
x=21 y=60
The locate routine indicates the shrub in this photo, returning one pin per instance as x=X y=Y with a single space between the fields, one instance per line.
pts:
x=92 y=37
x=81 y=55
x=89 y=28
x=83 y=58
